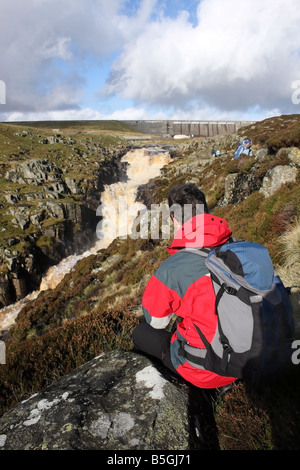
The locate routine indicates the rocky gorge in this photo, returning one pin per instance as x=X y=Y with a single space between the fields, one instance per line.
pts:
x=48 y=206
x=70 y=350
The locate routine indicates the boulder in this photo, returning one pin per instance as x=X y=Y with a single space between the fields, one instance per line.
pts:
x=117 y=401
x=276 y=177
x=12 y=198
x=260 y=154
x=294 y=155
x=72 y=185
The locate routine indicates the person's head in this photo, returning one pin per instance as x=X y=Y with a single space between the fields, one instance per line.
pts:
x=186 y=201
x=247 y=142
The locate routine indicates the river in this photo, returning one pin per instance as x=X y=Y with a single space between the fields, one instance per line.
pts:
x=143 y=164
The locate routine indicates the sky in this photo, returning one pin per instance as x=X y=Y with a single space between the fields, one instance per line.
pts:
x=149 y=59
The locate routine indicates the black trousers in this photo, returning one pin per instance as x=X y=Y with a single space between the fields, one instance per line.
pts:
x=153 y=342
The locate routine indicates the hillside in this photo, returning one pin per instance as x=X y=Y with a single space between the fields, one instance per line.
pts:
x=109 y=127
x=97 y=304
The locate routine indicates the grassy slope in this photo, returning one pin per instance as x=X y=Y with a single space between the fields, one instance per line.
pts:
x=100 y=126
x=97 y=305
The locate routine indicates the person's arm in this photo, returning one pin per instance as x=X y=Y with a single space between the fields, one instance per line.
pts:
x=159 y=303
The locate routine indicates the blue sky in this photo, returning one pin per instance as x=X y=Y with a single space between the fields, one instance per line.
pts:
x=149 y=59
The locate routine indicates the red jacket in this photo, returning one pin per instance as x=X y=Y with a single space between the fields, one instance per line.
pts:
x=182 y=285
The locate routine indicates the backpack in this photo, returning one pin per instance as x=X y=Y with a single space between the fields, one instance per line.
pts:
x=255 y=328
x=242 y=149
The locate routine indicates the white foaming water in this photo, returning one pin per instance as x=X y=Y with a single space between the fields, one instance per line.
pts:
x=144 y=164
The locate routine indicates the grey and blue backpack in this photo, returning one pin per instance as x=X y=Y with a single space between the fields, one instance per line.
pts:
x=255 y=322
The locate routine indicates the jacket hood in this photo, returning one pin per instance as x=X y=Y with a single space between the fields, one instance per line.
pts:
x=203 y=230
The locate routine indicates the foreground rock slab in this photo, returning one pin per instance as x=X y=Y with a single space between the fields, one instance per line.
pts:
x=117 y=401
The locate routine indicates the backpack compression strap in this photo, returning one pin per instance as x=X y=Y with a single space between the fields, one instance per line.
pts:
x=227 y=349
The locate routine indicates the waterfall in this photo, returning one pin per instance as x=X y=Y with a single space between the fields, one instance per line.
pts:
x=143 y=164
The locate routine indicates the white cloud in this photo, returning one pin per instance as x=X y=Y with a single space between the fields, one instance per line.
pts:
x=233 y=59
x=60 y=115
x=45 y=45
x=240 y=54
x=88 y=114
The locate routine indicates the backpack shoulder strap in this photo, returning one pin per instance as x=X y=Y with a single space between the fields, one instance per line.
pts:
x=204 y=251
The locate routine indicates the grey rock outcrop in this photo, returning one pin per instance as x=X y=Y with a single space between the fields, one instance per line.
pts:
x=238 y=186
x=34 y=172
x=117 y=401
x=276 y=177
x=293 y=155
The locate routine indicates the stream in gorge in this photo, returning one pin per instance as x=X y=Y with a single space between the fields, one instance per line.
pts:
x=143 y=165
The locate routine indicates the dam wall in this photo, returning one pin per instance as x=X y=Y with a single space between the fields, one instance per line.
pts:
x=190 y=128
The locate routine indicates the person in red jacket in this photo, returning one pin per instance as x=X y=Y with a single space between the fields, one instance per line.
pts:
x=182 y=286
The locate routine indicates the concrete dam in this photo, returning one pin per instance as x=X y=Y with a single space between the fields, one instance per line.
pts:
x=190 y=128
